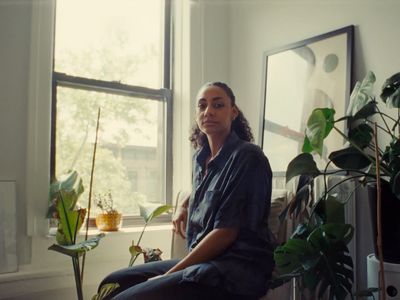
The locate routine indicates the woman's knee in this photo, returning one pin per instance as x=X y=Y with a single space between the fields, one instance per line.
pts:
x=125 y=278
x=132 y=276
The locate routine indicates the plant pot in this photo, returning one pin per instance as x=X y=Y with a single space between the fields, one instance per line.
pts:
x=390 y=222
x=108 y=221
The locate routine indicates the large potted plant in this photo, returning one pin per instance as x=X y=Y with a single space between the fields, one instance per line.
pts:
x=63 y=196
x=317 y=253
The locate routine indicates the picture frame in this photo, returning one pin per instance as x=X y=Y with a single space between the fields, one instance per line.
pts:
x=297 y=78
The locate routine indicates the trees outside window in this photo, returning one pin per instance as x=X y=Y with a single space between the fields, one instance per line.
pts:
x=113 y=55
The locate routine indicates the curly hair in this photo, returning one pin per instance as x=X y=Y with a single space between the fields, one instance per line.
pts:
x=240 y=125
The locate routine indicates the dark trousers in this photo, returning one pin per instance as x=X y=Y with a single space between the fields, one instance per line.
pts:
x=134 y=284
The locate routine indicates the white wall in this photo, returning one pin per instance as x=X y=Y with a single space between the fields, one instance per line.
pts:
x=15 y=21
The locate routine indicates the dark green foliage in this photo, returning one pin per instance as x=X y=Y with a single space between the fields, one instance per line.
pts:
x=316 y=255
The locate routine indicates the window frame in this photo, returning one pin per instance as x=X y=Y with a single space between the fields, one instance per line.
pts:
x=164 y=95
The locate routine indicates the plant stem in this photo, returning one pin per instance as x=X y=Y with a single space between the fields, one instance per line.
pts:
x=78 y=281
x=397 y=122
x=387 y=129
x=90 y=189
x=327 y=190
x=381 y=114
x=132 y=261
x=140 y=238
x=379 y=221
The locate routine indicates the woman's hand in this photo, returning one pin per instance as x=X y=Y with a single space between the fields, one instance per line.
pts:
x=213 y=244
x=180 y=218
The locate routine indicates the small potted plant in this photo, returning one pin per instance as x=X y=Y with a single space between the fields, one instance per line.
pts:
x=110 y=218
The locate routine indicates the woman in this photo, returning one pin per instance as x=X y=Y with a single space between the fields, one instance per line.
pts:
x=230 y=254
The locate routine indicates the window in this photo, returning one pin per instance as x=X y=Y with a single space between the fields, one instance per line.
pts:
x=114 y=55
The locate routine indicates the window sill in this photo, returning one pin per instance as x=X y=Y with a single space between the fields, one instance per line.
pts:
x=128 y=230
x=122 y=231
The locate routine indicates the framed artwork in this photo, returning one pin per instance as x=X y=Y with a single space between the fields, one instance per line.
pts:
x=297 y=78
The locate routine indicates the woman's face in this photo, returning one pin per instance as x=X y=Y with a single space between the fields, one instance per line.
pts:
x=214 y=112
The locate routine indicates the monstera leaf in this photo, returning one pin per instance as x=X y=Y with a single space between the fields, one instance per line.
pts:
x=319 y=125
x=391 y=91
x=361 y=94
x=322 y=260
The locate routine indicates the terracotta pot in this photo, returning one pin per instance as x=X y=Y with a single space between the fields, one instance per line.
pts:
x=108 y=221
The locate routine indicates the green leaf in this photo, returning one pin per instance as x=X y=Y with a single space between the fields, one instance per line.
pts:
x=307 y=148
x=282 y=279
x=135 y=251
x=301 y=232
x=349 y=159
x=302 y=164
x=361 y=94
x=390 y=91
x=71 y=184
x=70 y=221
x=105 y=290
x=322 y=260
x=361 y=135
x=320 y=210
x=300 y=200
x=395 y=184
x=79 y=248
x=392 y=152
x=335 y=266
x=319 y=125
x=331 y=233
x=290 y=256
x=149 y=214
x=71 y=187
x=310 y=280
x=366 y=111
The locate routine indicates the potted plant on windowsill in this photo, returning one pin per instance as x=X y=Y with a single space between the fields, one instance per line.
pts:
x=64 y=194
x=317 y=252
x=110 y=218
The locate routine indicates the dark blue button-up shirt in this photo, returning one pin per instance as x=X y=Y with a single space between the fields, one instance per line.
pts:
x=235 y=193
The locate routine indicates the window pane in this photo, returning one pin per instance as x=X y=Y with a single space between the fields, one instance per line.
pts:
x=113 y=40
x=130 y=152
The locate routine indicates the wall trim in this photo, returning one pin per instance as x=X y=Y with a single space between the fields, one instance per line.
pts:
x=39 y=106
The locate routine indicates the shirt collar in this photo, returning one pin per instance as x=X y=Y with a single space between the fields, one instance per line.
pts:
x=223 y=154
